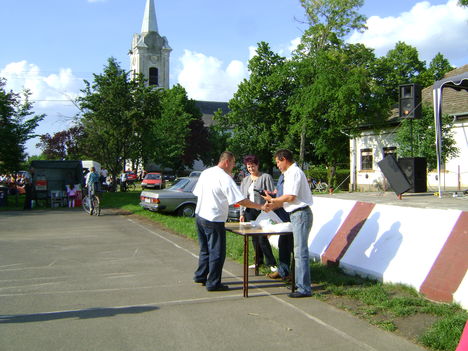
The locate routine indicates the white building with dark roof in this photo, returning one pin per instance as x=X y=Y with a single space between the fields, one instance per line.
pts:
x=371 y=147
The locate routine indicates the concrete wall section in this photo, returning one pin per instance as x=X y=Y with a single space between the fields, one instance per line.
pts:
x=461 y=294
x=329 y=216
x=423 y=248
x=451 y=265
x=399 y=244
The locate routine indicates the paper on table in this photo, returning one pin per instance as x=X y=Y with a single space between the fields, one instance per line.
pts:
x=271 y=222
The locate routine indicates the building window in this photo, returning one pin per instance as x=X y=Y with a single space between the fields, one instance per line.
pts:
x=390 y=150
x=366 y=159
x=153 y=76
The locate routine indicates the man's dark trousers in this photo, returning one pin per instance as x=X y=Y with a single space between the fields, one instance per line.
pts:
x=212 y=241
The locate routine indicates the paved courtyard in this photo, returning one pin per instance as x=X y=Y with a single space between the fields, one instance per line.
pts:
x=69 y=281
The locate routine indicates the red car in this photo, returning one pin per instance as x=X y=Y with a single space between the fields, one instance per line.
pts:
x=131 y=176
x=153 y=180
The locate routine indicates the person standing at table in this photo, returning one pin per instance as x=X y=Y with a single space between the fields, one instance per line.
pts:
x=285 y=242
x=296 y=200
x=215 y=190
x=250 y=187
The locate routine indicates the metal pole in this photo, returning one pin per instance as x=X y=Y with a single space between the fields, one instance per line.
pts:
x=437 y=94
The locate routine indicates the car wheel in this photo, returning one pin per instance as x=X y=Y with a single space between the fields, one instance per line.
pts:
x=186 y=211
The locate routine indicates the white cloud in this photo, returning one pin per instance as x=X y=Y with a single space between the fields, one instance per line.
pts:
x=429 y=28
x=205 y=78
x=252 y=51
x=50 y=94
x=46 y=90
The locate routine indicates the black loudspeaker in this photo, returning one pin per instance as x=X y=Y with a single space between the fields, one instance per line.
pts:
x=410 y=101
x=415 y=170
x=395 y=176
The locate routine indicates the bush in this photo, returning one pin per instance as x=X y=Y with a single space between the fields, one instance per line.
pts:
x=321 y=173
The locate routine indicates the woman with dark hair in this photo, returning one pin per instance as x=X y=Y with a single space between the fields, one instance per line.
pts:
x=251 y=187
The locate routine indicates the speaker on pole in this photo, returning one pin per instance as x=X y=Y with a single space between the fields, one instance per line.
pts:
x=395 y=176
x=410 y=101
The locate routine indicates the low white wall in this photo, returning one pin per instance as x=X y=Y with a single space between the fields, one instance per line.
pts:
x=396 y=244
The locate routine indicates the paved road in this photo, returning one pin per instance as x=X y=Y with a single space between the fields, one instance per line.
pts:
x=421 y=200
x=74 y=282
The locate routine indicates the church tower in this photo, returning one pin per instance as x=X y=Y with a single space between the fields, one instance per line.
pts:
x=150 y=51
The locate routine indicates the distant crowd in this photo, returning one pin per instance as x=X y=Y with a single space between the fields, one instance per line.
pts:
x=15 y=182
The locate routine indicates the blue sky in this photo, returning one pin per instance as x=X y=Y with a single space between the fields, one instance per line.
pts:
x=50 y=46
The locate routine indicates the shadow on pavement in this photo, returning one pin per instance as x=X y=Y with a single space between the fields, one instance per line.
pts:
x=81 y=314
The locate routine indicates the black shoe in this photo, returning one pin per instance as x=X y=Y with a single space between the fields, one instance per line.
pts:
x=220 y=287
x=200 y=281
x=297 y=294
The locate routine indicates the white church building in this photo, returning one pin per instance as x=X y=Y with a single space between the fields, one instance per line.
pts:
x=150 y=56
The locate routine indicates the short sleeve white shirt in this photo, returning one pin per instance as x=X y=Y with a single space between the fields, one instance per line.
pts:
x=295 y=183
x=216 y=190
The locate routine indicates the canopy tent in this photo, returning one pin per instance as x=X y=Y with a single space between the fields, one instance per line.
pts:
x=457 y=82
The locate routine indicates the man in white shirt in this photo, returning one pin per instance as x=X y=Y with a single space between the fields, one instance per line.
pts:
x=296 y=200
x=216 y=190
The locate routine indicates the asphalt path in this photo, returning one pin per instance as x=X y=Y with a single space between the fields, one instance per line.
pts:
x=69 y=281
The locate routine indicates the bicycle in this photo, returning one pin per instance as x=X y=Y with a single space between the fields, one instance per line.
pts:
x=318 y=185
x=95 y=209
x=131 y=186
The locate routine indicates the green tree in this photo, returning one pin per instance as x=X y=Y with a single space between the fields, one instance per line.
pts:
x=171 y=132
x=329 y=22
x=438 y=67
x=335 y=97
x=335 y=89
x=258 y=116
x=17 y=125
x=401 y=65
x=124 y=120
x=109 y=117
x=146 y=111
x=416 y=138
x=463 y=2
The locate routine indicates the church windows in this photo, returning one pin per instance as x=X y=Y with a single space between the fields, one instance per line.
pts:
x=153 y=76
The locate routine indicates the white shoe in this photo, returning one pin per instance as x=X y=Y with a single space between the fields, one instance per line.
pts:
x=273 y=268
x=252 y=266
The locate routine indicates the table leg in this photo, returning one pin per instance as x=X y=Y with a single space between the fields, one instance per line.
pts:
x=257 y=250
x=246 y=266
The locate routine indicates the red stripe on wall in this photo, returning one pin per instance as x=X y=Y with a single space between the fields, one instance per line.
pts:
x=347 y=232
x=451 y=265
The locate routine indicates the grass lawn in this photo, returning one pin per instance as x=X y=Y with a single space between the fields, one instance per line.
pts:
x=395 y=308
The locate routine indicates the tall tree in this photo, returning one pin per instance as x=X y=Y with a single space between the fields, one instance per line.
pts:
x=401 y=65
x=172 y=130
x=109 y=117
x=329 y=22
x=17 y=125
x=258 y=116
x=438 y=67
x=332 y=101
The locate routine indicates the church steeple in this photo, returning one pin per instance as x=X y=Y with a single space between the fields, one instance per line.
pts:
x=150 y=51
x=149 y=19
